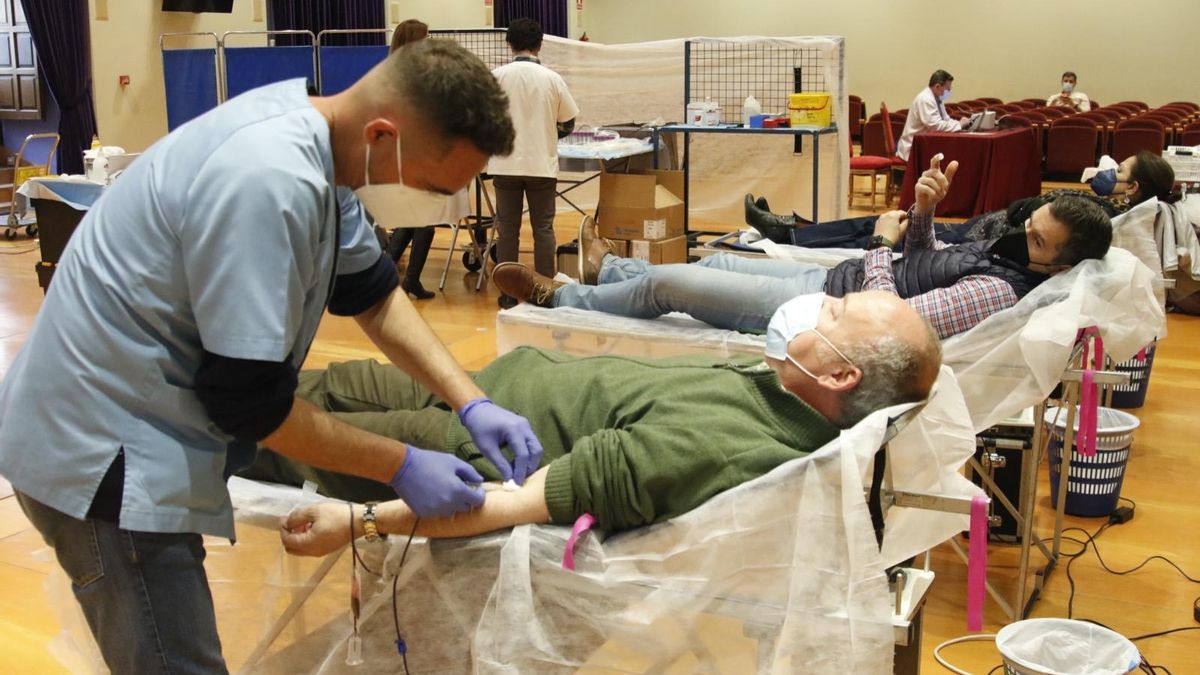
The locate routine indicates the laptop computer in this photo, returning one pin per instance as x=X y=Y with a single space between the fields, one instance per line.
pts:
x=982 y=121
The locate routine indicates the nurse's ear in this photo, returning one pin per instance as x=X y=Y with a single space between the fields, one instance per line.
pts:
x=379 y=129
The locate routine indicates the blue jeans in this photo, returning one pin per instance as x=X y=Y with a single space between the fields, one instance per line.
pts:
x=145 y=594
x=724 y=290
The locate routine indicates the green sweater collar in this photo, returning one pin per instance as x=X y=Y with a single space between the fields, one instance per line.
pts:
x=796 y=418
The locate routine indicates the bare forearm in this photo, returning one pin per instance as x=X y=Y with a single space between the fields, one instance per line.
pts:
x=396 y=327
x=501 y=509
x=313 y=436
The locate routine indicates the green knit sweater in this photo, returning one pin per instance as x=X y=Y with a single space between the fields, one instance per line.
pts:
x=638 y=441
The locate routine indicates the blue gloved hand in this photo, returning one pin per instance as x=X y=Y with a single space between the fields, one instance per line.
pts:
x=491 y=426
x=434 y=484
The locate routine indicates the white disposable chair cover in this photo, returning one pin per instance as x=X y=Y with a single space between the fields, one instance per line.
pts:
x=1015 y=358
x=793 y=551
x=588 y=333
x=1136 y=231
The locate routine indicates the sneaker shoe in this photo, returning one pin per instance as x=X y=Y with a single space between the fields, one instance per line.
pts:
x=592 y=249
x=506 y=301
x=522 y=283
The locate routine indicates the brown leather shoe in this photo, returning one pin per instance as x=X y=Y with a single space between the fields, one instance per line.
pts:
x=592 y=249
x=524 y=284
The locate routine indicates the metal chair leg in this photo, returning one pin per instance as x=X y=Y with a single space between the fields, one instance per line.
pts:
x=449 y=256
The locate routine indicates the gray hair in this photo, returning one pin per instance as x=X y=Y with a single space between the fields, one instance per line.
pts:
x=894 y=371
x=453 y=92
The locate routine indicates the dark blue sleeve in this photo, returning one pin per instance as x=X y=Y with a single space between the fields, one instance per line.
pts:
x=246 y=399
x=357 y=292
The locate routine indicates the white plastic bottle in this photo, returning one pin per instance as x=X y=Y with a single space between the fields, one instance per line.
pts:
x=750 y=108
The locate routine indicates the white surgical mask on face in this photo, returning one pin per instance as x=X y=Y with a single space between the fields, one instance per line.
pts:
x=796 y=316
x=1067 y=87
x=395 y=205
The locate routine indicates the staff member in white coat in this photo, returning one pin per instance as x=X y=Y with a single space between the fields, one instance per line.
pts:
x=928 y=112
x=183 y=308
x=543 y=111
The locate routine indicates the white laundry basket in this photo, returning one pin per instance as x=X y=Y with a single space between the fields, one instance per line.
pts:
x=1064 y=647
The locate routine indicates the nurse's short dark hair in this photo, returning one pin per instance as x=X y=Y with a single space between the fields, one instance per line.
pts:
x=524 y=35
x=1090 y=228
x=454 y=92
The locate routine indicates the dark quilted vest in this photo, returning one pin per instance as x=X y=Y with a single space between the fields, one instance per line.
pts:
x=926 y=270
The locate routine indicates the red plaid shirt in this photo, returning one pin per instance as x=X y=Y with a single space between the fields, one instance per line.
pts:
x=951 y=310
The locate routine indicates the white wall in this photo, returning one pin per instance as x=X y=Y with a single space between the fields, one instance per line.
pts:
x=1013 y=49
x=126 y=43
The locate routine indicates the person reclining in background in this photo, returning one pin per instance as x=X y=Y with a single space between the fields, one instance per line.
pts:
x=953 y=287
x=630 y=441
x=1136 y=180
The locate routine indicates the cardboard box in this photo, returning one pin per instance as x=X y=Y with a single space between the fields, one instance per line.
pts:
x=666 y=251
x=645 y=205
x=568 y=255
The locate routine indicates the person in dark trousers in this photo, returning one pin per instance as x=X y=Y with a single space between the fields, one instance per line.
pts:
x=542 y=111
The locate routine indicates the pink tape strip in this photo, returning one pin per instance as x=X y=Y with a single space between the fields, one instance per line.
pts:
x=977 y=563
x=582 y=524
x=1098 y=364
x=1085 y=440
x=1141 y=357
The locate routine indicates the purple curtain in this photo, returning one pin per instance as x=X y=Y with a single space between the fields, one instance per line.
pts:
x=62 y=40
x=319 y=15
x=552 y=14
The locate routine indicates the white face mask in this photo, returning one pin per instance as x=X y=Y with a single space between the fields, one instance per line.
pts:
x=395 y=205
x=1067 y=87
x=796 y=316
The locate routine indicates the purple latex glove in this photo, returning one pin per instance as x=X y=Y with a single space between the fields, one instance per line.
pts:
x=434 y=484
x=491 y=426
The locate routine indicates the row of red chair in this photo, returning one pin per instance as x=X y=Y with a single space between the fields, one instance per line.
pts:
x=1075 y=141
x=1067 y=141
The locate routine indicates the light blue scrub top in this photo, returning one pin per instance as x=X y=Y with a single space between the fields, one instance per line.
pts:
x=221 y=237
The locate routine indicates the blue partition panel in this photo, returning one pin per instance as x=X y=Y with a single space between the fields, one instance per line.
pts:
x=190 y=79
x=342 y=66
x=250 y=67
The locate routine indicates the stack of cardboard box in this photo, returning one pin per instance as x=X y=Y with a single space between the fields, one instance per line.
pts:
x=642 y=211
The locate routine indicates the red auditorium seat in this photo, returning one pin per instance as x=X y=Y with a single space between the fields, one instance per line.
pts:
x=1190 y=135
x=1187 y=104
x=898 y=165
x=1138 y=104
x=1023 y=119
x=1071 y=145
x=872 y=140
x=1133 y=136
x=855 y=112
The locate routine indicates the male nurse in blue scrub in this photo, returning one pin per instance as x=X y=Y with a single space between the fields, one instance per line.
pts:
x=169 y=343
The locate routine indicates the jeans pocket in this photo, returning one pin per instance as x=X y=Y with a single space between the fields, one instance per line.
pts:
x=75 y=542
x=80 y=558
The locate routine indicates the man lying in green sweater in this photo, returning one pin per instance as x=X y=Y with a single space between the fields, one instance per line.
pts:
x=630 y=441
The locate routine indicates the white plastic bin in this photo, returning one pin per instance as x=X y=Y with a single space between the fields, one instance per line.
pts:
x=1064 y=647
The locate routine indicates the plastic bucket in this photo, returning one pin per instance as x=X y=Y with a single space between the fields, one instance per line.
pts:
x=814 y=109
x=1064 y=647
x=1133 y=395
x=1094 y=484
